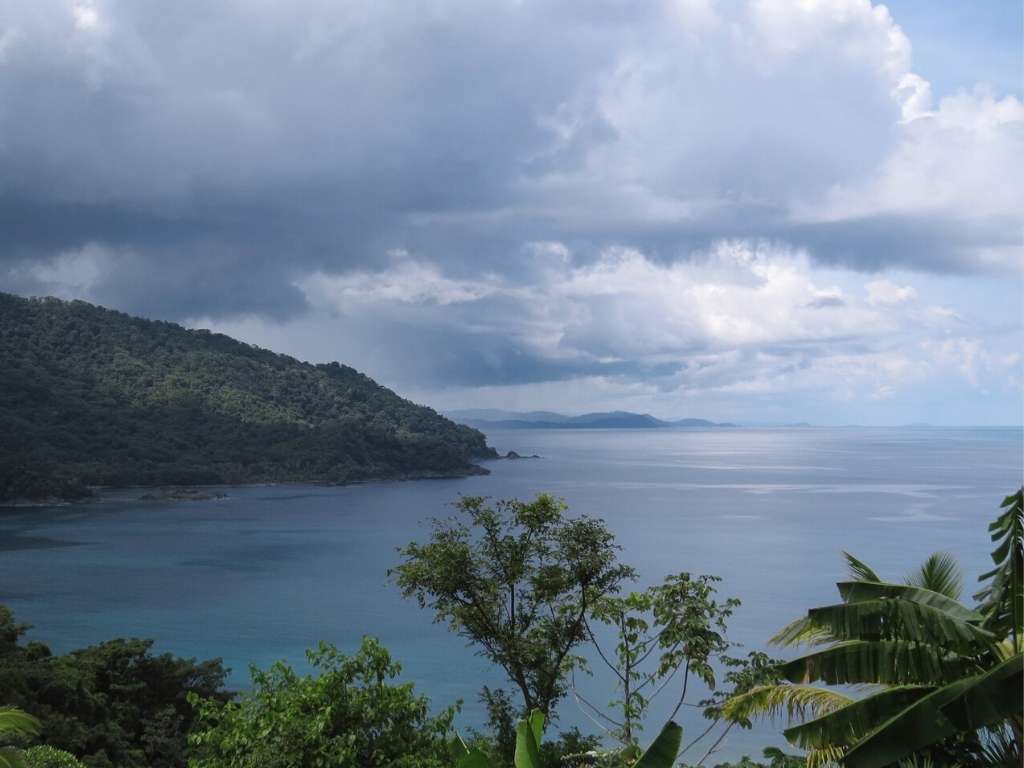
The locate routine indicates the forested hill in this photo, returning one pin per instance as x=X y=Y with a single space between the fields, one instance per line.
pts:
x=89 y=396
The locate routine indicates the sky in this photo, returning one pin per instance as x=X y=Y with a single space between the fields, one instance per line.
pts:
x=746 y=210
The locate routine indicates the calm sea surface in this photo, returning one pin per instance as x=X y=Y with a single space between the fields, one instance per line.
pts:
x=268 y=572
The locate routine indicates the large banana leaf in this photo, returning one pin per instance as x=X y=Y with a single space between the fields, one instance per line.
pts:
x=917 y=726
x=536 y=721
x=464 y=757
x=996 y=695
x=885 y=662
x=474 y=758
x=457 y=747
x=815 y=629
x=861 y=591
x=896 y=619
x=662 y=753
x=978 y=700
x=528 y=734
x=1002 y=600
x=844 y=726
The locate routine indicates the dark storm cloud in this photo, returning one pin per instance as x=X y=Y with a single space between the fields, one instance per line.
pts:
x=307 y=135
x=437 y=356
x=192 y=161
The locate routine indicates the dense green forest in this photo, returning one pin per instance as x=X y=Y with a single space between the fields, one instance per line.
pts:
x=89 y=396
x=111 y=704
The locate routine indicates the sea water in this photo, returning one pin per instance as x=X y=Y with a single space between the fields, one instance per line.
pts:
x=270 y=571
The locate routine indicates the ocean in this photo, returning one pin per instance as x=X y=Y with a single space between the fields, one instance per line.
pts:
x=269 y=571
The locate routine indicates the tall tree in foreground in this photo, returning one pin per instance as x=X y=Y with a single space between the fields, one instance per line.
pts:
x=947 y=678
x=516 y=579
x=674 y=627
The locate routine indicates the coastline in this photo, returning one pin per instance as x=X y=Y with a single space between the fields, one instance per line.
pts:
x=195 y=491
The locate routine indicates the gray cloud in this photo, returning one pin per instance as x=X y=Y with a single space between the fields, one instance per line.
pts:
x=205 y=162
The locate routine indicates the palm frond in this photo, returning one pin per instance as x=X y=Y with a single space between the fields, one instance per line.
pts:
x=999 y=749
x=825 y=757
x=795 y=702
x=939 y=573
x=803 y=631
x=858 y=569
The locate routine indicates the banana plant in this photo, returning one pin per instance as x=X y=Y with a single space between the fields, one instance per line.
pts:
x=936 y=669
x=529 y=734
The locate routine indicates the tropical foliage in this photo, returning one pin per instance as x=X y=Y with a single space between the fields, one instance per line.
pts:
x=741 y=675
x=773 y=757
x=351 y=714
x=673 y=626
x=94 y=397
x=518 y=580
x=50 y=757
x=661 y=753
x=944 y=680
x=112 y=704
x=1001 y=600
x=14 y=724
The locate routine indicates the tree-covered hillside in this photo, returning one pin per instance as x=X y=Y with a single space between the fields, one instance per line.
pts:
x=89 y=396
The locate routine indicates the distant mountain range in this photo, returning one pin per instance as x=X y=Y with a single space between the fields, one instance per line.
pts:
x=491 y=418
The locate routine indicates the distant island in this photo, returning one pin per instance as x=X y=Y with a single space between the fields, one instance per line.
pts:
x=92 y=397
x=488 y=418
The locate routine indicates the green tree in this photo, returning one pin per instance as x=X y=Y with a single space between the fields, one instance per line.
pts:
x=115 y=703
x=517 y=579
x=673 y=626
x=948 y=678
x=351 y=714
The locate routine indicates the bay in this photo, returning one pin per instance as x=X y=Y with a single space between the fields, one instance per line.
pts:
x=270 y=571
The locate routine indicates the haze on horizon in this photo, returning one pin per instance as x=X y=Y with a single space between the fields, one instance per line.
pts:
x=747 y=211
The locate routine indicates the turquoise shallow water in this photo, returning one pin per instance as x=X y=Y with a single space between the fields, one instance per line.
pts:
x=269 y=571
